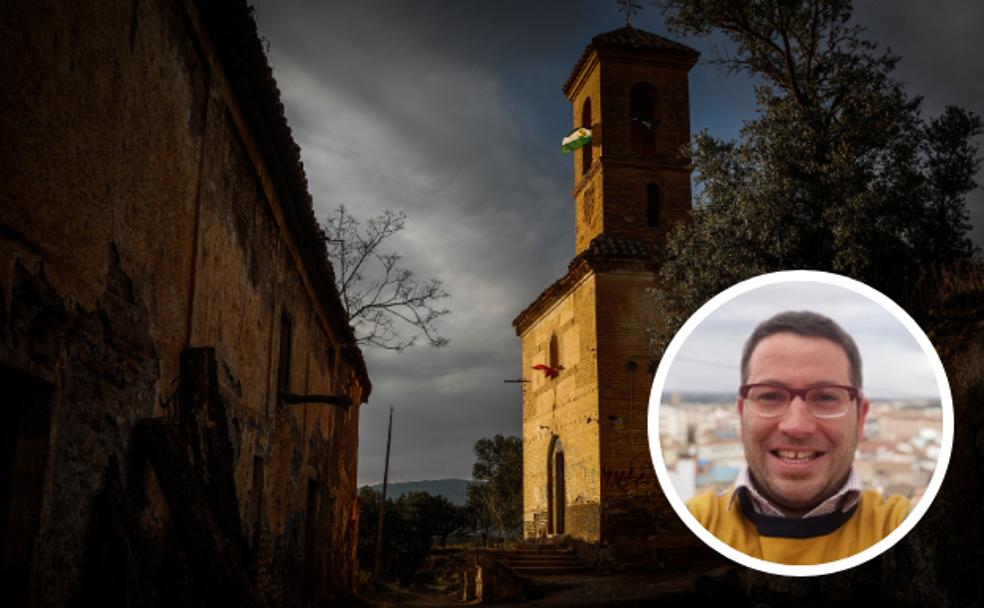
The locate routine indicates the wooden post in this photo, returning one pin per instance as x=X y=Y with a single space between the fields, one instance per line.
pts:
x=382 y=501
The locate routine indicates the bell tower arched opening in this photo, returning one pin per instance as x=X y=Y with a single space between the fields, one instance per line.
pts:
x=587 y=151
x=643 y=118
x=652 y=205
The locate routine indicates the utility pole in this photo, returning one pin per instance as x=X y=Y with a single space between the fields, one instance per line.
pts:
x=382 y=503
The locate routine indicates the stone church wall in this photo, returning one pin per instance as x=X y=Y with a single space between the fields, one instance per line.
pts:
x=147 y=258
x=564 y=408
x=631 y=185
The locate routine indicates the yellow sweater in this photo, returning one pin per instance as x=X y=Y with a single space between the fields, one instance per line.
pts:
x=813 y=540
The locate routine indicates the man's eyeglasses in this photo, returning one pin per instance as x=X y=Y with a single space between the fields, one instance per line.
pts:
x=772 y=400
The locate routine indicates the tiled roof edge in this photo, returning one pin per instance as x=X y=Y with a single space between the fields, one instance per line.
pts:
x=232 y=29
x=602 y=249
x=629 y=37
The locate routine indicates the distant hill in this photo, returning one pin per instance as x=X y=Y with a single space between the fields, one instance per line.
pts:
x=452 y=489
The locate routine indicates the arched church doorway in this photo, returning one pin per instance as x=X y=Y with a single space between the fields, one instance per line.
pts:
x=556 y=493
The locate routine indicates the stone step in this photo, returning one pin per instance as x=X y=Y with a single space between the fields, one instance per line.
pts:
x=543 y=560
x=547 y=550
x=543 y=548
x=554 y=563
x=537 y=558
x=556 y=553
x=573 y=561
x=547 y=570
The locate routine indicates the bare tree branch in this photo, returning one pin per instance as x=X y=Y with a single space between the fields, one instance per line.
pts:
x=387 y=306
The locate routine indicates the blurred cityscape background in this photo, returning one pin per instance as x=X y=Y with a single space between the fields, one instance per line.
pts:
x=701 y=443
x=698 y=417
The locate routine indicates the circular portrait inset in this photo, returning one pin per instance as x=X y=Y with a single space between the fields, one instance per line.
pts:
x=800 y=423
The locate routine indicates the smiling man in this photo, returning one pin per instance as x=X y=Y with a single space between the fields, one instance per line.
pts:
x=799 y=500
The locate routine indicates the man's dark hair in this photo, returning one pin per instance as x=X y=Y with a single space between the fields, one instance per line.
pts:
x=807 y=324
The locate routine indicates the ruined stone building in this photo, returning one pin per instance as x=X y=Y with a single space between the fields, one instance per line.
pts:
x=180 y=383
x=586 y=464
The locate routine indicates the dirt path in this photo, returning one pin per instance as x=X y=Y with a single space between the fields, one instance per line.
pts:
x=621 y=589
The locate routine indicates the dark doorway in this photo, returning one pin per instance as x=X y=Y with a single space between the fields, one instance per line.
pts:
x=25 y=422
x=556 y=492
x=256 y=502
x=286 y=344
x=310 y=541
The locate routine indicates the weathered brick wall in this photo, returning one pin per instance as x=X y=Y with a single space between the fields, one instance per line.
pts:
x=139 y=219
x=626 y=509
x=561 y=407
x=597 y=408
x=103 y=139
x=636 y=515
x=587 y=193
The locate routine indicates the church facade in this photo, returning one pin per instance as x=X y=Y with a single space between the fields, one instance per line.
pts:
x=587 y=473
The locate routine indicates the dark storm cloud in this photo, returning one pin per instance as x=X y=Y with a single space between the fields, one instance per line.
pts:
x=453 y=113
x=432 y=109
x=939 y=43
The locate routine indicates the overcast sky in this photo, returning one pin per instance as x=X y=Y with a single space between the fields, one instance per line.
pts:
x=893 y=364
x=453 y=112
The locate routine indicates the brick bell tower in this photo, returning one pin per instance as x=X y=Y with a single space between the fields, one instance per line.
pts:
x=587 y=473
x=630 y=87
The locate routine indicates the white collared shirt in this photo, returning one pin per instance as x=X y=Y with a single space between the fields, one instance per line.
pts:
x=845 y=498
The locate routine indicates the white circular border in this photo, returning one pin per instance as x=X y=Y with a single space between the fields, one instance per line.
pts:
x=802 y=276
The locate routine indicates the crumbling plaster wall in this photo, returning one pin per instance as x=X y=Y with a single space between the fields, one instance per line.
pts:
x=137 y=220
x=565 y=407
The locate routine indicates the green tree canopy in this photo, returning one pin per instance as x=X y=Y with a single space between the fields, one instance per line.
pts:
x=839 y=171
x=431 y=516
x=412 y=522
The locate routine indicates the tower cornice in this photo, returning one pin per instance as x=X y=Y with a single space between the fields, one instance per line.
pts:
x=633 y=41
x=604 y=254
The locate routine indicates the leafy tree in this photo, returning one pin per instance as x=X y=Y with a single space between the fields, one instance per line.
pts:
x=495 y=498
x=412 y=522
x=475 y=512
x=383 y=299
x=840 y=171
x=368 y=526
x=430 y=516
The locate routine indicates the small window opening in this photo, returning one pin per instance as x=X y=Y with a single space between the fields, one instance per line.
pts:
x=331 y=365
x=652 y=205
x=588 y=150
x=643 y=118
x=310 y=541
x=283 y=370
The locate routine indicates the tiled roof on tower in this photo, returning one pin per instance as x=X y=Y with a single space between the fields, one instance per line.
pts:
x=629 y=37
x=604 y=245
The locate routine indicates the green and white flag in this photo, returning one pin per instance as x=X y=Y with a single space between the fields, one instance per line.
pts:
x=577 y=138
